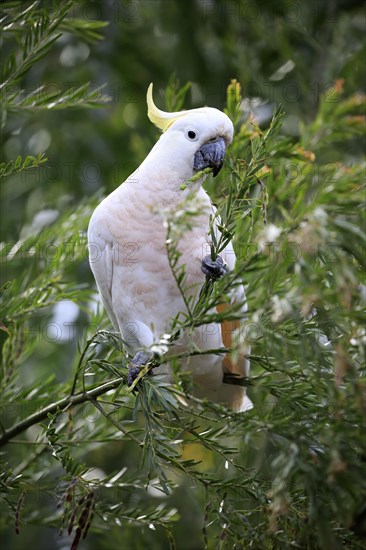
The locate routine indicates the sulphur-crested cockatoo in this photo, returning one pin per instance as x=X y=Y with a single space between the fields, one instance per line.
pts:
x=128 y=255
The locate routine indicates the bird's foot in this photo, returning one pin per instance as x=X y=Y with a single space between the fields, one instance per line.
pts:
x=214 y=269
x=140 y=359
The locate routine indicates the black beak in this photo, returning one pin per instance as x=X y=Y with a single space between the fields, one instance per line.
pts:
x=210 y=155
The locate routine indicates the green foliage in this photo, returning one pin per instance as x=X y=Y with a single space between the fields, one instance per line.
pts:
x=15 y=166
x=143 y=467
x=33 y=33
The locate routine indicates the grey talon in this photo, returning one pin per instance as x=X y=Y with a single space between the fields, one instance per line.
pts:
x=139 y=360
x=133 y=373
x=214 y=268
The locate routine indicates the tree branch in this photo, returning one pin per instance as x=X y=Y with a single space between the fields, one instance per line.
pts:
x=62 y=404
x=83 y=397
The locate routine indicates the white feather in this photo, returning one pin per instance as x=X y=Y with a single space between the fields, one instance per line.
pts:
x=128 y=255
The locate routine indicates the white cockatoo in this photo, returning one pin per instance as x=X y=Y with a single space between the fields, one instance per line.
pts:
x=128 y=255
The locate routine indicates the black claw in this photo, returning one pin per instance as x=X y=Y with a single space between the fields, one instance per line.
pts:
x=140 y=359
x=214 y=268
x=133 y=373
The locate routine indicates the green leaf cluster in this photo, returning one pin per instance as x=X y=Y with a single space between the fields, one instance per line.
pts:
x=157 y=461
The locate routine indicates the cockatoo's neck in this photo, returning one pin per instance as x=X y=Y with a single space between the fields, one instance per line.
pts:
x=163 y=172
x=167 y=165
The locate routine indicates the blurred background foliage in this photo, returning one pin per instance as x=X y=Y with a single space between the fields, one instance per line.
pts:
x=289 y=473
x=280 y=52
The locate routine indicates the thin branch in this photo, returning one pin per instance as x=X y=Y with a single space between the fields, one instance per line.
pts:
x=62 y=404
x=83 y=397
x=92 y=340
x=116 y=424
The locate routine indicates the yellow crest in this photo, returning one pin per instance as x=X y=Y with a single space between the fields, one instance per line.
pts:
x=160 y=118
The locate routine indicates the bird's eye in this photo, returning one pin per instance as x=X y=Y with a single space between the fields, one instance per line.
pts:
x=191 y=135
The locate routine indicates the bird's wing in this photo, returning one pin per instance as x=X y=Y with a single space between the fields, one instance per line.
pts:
x=102 y=264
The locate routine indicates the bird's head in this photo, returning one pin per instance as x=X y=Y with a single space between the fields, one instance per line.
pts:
x=198 y=136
